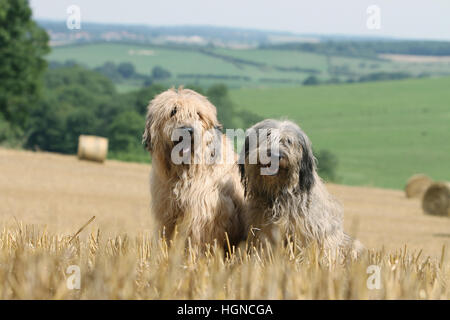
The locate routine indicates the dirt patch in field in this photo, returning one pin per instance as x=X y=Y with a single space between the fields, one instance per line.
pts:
x=414 y=58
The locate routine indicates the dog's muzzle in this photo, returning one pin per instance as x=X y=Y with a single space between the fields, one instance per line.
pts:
x=279 y=162
x=187 y=145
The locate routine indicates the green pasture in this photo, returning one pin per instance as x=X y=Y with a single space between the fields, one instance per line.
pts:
x=381 y=132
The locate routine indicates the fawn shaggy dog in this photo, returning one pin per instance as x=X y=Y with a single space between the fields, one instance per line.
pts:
x=291 y=200
x=202 y=196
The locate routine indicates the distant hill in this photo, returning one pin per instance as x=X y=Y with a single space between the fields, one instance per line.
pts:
x=253 y=67
x=186 y=35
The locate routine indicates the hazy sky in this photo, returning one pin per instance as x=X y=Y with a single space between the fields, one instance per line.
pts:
x=399 y=18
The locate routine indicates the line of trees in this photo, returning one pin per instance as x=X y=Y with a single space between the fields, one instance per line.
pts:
x=368 y=49
x=121 y=72
x=212 y=76
x=374 y=76
x=126 y=71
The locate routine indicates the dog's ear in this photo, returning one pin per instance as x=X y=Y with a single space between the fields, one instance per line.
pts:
x=307 y=167
x=243 y=156
x=219 y=127
x=146 y=137
x=243 y=178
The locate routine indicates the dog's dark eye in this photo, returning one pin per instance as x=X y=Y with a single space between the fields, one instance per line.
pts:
x=289 y=141
x=174 y=111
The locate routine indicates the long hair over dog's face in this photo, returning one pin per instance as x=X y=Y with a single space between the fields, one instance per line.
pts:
x=296 y=163
x=174 y=114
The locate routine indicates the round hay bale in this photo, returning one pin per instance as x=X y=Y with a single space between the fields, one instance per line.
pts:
x=417 y=185
x=92 y=148
x=436 y=200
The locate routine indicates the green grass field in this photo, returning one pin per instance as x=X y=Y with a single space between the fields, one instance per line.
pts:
x=189 y=61
x=192 y=61
x=381 y=132
x=177 y=61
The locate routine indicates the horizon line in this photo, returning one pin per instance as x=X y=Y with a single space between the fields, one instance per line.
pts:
x=291 y=33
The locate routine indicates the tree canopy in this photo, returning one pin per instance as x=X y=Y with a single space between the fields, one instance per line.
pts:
x=22 y=48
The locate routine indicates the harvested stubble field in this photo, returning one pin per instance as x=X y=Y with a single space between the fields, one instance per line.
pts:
x=45 y=198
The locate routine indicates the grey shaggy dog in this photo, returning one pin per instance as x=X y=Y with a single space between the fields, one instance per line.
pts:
x=291 y=201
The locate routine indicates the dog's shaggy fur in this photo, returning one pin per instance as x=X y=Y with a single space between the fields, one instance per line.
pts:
x=293 y=202
x=204 y=200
